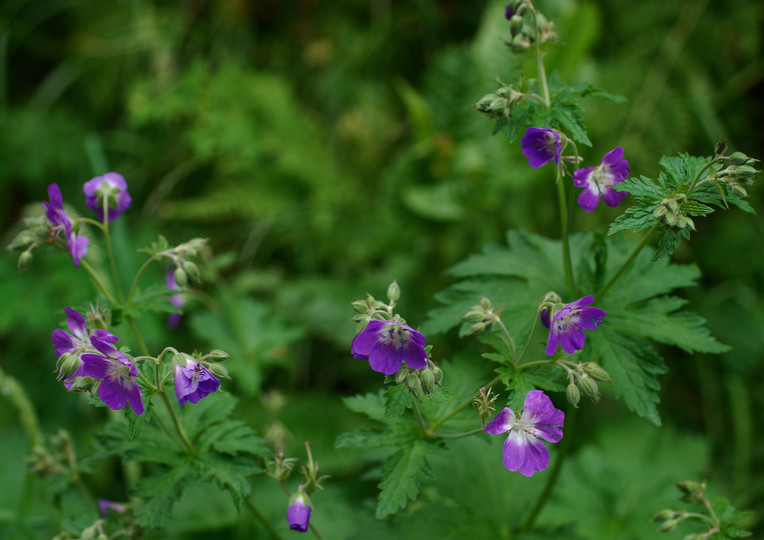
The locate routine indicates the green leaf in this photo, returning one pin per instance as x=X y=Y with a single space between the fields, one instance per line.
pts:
x=401 y=477
x=160 y=491
x=372 y=405
x=230 y=474
x=397 y=400
x=232 y=437
x=519 y=383
x=155 y=297
x=398 y=432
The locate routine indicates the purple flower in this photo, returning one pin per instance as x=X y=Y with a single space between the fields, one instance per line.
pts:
x=508 y=11
x=540 y=146
x=54 y=211
x=523 y=451
x=599 y=181
x=78 y=342
x=111 y=186
x=568 y=325
x=193 y=382
x=177 y=300
x=386 y=344
x=298 y=512
x=117 y=374
x=104 y=505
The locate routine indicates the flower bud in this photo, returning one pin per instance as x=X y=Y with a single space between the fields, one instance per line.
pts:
x=588 y=388
x=181 y=278
x=596 y=371
x=192 y=271
x=475 y=328
x=692 y=491
x=669 y=525
x=217 y=354
x=218 y=370
x=298 y=512
x=664 y=515
x=738 y=158
x=401 y=375
x=745 y=171
x=721 y=147
x=438 y=375
x=393 y=292
x=414 y=385
x=515 y=25
x=573 y=394
x=25 y=259
x=428 y=381
x=67 y=365
x=683 y=222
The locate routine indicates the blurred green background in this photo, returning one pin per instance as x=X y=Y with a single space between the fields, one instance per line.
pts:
x=327 y=148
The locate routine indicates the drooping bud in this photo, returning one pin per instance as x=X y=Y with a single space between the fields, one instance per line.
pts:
x=192 y=271
x=25 y=259
x=181 y=278
x=720 y=147
x=738 y=158
x=414 y=385
x=427 y=378
x=588 y=388
x=573 y=394
x=218 y=370
x=217 y=354
x=596 y=371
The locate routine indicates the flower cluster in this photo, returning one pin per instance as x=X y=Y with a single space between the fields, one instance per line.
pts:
x=523 y=451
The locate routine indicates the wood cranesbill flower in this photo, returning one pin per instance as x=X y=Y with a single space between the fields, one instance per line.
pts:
x=540 y=146
x=193 y=381
x=599 y=181
x=60 y=222
x=77 y=343
x=523 y=451
x=112 y=187
x=298 y=512
x=567 y=325
x=104 y=505
x=386 y=344
x=117 y=374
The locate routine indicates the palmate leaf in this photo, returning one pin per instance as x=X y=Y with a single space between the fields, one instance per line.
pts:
x=638 y=311
x=161 y=491
x=401 y=477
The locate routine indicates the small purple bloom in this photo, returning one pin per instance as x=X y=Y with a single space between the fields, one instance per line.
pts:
x=568 y=325
x=599 y=181
x=523 y=451
x=113 y=187
x=78 y=342
x=104 y=505
x=386 y=344
x=298 y=512
x=540 y=146
x=193 y=382
x=508 y=11
x=117 y=374
x=177 y=300
x=54 y=211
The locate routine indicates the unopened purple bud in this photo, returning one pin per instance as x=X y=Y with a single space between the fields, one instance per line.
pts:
x=298 y=513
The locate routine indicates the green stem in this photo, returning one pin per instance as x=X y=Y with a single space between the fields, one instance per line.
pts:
x=138 y=276
x=189 y=447
x=454 y=435
x=554 y=473
x=10 y=388
x=510 y=341
x=565 y=242
x=540 y=63
x=261 y=518
x=419 y=418
x=315 y=531
x=534 y=363
x=461 y=406
x=626 y=264
x=98 y=281
x=110 y=251
x=528 y=341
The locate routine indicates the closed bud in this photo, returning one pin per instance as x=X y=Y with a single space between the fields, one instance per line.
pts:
x=414 y=385
x=474 y=316
x=692 y=491
x=669 y=525
x=745 y=171
x=192 y=271
x=660 y=211
x=25 y=259
x=683 y=222
x=721 y=147
x=515 y=25
x=401 y=376
x=90 y=533
x=218 y=370
x=393 y=292
x=596 y=371
x=740 y=190
x=180 y=277
x=428 y=381
x=573 y=394
x=438 y=375
x=670 y=219
x=217 y=354
x=68 y=364
x=588 y=388
x=475 y=328
x=664 y=515
x=738 y=158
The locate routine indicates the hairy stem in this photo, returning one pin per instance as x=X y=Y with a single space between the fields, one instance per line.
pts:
x=626 y=263
x=262 y=519
x=459 y=407
x=565 y=241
